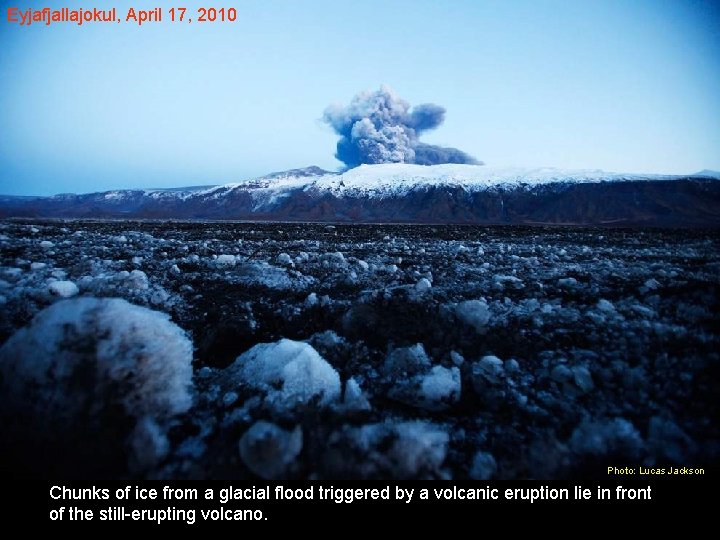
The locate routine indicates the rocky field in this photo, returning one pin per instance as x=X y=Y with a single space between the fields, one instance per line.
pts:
x=281 y=351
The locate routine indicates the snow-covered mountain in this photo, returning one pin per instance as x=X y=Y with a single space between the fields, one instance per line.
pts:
x=398 y=179
x=411 y=193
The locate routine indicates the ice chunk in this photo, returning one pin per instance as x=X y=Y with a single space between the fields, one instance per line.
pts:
x=643 y=311
x=90 y=362
x=616 y=436
x=63 y=289
x=269 y=450
x=419 y=445
x=440 y=388
x=668 y=441
x=415 y=383
x=291 y=372
x=512 y=366
x=406 y=360
x=489 y=368
x=335 y=257
x=46 y=244
x=262 y=273
x=483 y=466
x=582 y=378
x=354 y=398
x=149 y=444
x=229 y=398
x=512 y=281
x=606 y=306
x=474 y=313
x=285 y=260
x=396 y=450
x=561 y=374
x=423 y=285
x=138 y=280
x=457 y=358
x=652 y=284
x=327 y=339
x=225 y=261
x=489 y=380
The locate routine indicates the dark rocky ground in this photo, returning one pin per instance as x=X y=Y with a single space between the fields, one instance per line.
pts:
x=543 y=352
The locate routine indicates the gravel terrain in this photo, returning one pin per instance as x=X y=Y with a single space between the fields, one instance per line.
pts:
x=281 y=351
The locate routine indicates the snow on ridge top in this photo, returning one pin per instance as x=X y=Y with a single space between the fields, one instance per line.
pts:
x=395 y=177
x=398 y=178
x=292 y=179
x=390 y=178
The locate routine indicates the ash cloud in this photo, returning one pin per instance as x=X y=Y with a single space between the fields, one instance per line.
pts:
x=380 y=127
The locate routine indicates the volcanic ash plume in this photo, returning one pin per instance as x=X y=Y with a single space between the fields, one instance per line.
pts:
x=379 y=127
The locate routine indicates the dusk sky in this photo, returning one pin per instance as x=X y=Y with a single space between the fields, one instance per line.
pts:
x=619 y=85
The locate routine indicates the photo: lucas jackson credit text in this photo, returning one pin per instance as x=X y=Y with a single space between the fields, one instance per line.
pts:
x=47 y=16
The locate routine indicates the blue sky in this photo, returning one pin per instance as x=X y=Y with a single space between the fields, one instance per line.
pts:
x=621 y=85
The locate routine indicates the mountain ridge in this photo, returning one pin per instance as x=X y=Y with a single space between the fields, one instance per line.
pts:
x=410 y=193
